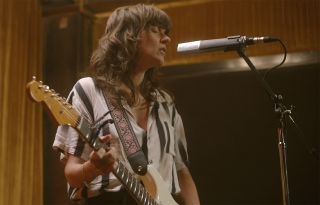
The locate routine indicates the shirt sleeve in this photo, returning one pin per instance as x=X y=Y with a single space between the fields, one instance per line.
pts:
x=181 y=159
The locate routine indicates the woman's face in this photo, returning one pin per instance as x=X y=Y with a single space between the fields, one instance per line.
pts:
x=152 y=48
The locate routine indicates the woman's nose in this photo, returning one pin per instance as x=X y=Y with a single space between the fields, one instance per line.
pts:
x=165 y=39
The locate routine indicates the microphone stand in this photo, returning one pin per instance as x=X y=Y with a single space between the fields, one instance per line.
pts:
x=282 y=113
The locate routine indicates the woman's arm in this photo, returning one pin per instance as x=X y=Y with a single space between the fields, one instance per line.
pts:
x=188 y=194
x=78 y=171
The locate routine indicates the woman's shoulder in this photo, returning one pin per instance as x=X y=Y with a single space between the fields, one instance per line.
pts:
x=86 y=81
x=86 y=86
x=163 y=96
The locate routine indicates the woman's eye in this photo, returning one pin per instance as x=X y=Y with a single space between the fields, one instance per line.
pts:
x=155 y=29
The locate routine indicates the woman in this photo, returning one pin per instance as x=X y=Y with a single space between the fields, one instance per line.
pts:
x=124 y=66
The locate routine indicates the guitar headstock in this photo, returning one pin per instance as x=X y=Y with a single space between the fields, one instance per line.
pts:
x=60 y=110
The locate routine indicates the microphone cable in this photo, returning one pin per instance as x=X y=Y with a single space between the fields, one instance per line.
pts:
x=312 y=150
x=281 y=63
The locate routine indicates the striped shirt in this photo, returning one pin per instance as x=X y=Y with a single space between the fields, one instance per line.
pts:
x=163 y=142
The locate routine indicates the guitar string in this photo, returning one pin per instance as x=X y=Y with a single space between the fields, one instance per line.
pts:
x=65 y=105
x=66 y=109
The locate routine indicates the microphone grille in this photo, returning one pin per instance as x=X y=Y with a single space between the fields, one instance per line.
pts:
x=189 y=46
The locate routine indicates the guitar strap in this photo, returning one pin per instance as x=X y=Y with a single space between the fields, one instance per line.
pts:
x=135 y=155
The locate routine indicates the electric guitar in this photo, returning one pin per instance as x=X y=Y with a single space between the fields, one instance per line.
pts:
x=152 y=191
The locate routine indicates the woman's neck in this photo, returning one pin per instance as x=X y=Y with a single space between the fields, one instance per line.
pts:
x=137 y=79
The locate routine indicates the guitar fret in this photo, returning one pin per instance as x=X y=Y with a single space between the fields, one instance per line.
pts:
x=123 y=173
x=138 y=191
x=147 y=199
x=132 y=181
x=151 y=200
x=135 y=186
x=128 y=179
x=84 y=128
x=138 y=195
x=143 y=193
x=143 y=198
x=117 y=170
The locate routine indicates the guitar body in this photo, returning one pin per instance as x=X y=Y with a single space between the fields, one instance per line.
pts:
x=156 y=187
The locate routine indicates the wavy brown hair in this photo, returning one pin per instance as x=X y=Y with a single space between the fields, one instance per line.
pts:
x=113 y=61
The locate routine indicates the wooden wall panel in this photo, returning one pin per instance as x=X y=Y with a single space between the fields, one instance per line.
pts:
x=20 y=119
x=295 y=22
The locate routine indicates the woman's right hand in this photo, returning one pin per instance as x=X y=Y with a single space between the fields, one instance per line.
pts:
x=104 y=159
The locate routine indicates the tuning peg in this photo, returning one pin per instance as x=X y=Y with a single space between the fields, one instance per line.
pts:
x=46 y=88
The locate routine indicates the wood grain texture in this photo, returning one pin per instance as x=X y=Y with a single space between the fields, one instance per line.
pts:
x=295 y=22
x=20 y=119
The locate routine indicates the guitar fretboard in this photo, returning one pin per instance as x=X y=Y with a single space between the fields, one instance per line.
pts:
x=133 y=185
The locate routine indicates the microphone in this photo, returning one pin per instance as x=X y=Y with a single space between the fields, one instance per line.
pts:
x=225 y=44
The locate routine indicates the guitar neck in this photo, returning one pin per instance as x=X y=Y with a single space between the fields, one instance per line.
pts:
x=128 y=180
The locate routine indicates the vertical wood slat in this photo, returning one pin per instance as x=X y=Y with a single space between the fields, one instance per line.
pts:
x=20 y=119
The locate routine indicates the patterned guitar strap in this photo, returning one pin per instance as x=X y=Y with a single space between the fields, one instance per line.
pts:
x=135 y=155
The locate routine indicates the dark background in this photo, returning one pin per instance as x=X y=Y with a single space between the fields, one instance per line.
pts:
x=231 y=128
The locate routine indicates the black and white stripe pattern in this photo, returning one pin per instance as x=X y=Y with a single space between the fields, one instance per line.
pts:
x=163 y=142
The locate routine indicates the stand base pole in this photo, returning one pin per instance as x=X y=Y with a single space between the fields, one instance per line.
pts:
x=283 y=168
